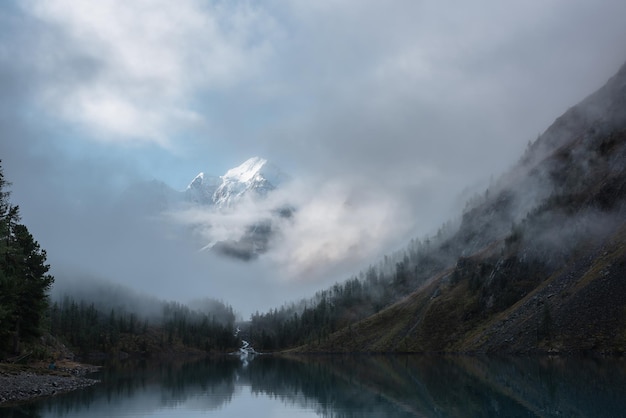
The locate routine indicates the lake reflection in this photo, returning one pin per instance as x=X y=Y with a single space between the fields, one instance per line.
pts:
x=349 y=386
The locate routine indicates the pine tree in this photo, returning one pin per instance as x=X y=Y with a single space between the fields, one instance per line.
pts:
x=24 y=278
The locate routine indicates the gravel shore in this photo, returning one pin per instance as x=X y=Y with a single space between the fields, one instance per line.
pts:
x=20 y=385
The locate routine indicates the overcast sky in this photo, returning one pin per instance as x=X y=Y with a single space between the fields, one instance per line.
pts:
x=385 y=113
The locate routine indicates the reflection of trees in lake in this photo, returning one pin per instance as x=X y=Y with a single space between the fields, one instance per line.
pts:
x=556 y=386
x=21 y=411
x=210 y=383
x=446 y=385
x=360 y=385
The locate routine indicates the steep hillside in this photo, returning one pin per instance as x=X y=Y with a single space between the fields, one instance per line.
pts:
x=539 y=259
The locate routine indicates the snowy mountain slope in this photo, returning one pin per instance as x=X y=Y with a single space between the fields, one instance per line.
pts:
x=254 y=178
x=226 y=214
x=201 y=189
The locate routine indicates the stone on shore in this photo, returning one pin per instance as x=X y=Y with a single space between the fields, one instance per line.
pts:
x=17 y=385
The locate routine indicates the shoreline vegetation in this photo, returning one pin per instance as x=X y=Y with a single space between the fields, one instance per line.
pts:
x=22 y=383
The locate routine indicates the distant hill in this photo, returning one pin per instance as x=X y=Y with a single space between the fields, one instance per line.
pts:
x=537 y=263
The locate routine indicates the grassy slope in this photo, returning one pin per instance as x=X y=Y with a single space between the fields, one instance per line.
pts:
x=586 y=304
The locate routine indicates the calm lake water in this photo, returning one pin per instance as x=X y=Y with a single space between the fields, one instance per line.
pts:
x=348 y=386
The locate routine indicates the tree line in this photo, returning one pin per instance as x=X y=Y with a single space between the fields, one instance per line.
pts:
x=26 y=312
x=24 y=278
x=88 y=328
x=313 y=320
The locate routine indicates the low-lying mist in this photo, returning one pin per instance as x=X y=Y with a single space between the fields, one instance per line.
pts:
x=107 y=296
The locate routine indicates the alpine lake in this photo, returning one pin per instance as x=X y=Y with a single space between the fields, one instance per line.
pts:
x=266 y=386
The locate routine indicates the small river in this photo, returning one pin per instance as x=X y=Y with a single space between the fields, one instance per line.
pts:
x=348 y=386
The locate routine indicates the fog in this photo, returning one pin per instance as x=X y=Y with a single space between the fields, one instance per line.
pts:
x=387 y=117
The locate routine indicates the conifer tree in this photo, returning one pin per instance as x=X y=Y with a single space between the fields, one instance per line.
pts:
x=24 y=278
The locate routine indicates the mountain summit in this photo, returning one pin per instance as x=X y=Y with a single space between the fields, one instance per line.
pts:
x=201 y=189
x=254 y=178
x=251 y=181
x=206 y=207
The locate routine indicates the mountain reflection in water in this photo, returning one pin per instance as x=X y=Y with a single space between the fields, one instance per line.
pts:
x=349 y=386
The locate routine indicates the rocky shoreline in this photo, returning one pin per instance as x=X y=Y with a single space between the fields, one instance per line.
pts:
x=23 y=384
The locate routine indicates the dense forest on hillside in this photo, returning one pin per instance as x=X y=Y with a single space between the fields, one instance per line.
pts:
x=87 y=328
x=357 y=298
x=537 y=257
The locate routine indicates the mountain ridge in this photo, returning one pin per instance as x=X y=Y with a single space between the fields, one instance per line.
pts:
x=537 y=263
x=255 y=178
x=242 y=190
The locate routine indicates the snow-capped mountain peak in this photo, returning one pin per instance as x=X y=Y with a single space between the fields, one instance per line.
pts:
x=202 y=188
x=254 y=169
x=202 y=180
x=196 y=182
x=246 y=171
x=255 y=177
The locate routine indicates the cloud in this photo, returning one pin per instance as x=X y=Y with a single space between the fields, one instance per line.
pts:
x=383 y=112
x=146 y=61
x=411 y=83
x=332 y=228
x=335 y=228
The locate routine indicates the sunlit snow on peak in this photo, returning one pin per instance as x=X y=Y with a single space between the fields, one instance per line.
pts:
x=246 y=171
x=196 y=181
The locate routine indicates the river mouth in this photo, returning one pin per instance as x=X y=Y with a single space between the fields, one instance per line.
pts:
x=347 y=385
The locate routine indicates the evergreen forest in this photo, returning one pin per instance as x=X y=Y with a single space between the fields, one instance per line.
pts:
x=24 y=278
x=32 y=326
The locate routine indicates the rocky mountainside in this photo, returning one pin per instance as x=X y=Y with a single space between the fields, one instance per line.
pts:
x=538 y=262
